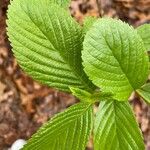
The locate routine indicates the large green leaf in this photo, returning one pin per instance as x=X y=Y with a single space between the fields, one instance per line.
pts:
x=115 y=128
x=144 y=32
x=69 y=130
x=47 y=43
x=145 y=92
x=114 y=57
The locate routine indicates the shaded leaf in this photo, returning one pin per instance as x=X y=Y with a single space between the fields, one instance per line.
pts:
x=90 y=97
x=63 y=3
x=144 y=92
x=88 y=22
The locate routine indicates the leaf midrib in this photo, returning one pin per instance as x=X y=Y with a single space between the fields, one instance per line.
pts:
x=105 y=39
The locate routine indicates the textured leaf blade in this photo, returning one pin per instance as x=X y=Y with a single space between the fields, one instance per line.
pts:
x=68 y=130
x=115 y=128
x=144 y=32
x=114 y=57
x=144 y=92
x=47 y=43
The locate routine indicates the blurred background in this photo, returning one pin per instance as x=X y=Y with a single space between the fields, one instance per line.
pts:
x=25 y=104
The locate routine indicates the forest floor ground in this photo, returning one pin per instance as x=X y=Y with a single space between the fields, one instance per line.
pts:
x=25 y=104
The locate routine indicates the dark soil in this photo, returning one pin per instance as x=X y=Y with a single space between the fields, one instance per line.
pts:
x=25 y=104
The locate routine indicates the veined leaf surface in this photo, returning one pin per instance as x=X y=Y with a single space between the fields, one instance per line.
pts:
x=47 y=43
x=69 y=130
x=115 y=58
x=115 y=128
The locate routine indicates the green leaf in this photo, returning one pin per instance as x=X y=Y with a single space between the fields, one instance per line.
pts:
x=115 y=128
x=47 y=43
x=144 y=32
x=144 y=92
x=69 y=130
x=85 y=96
x=114 y=57
x=88 y=22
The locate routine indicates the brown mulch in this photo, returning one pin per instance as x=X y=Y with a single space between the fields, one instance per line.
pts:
x=25 y=104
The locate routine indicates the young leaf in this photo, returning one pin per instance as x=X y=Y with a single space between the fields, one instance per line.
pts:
x=47 y=43
x=114 y=57
x=63 y=3
x=68 y=130
x=88 y=22
x=144 y=92
x=115 y=128
x=85 y=96
x=144 y=32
